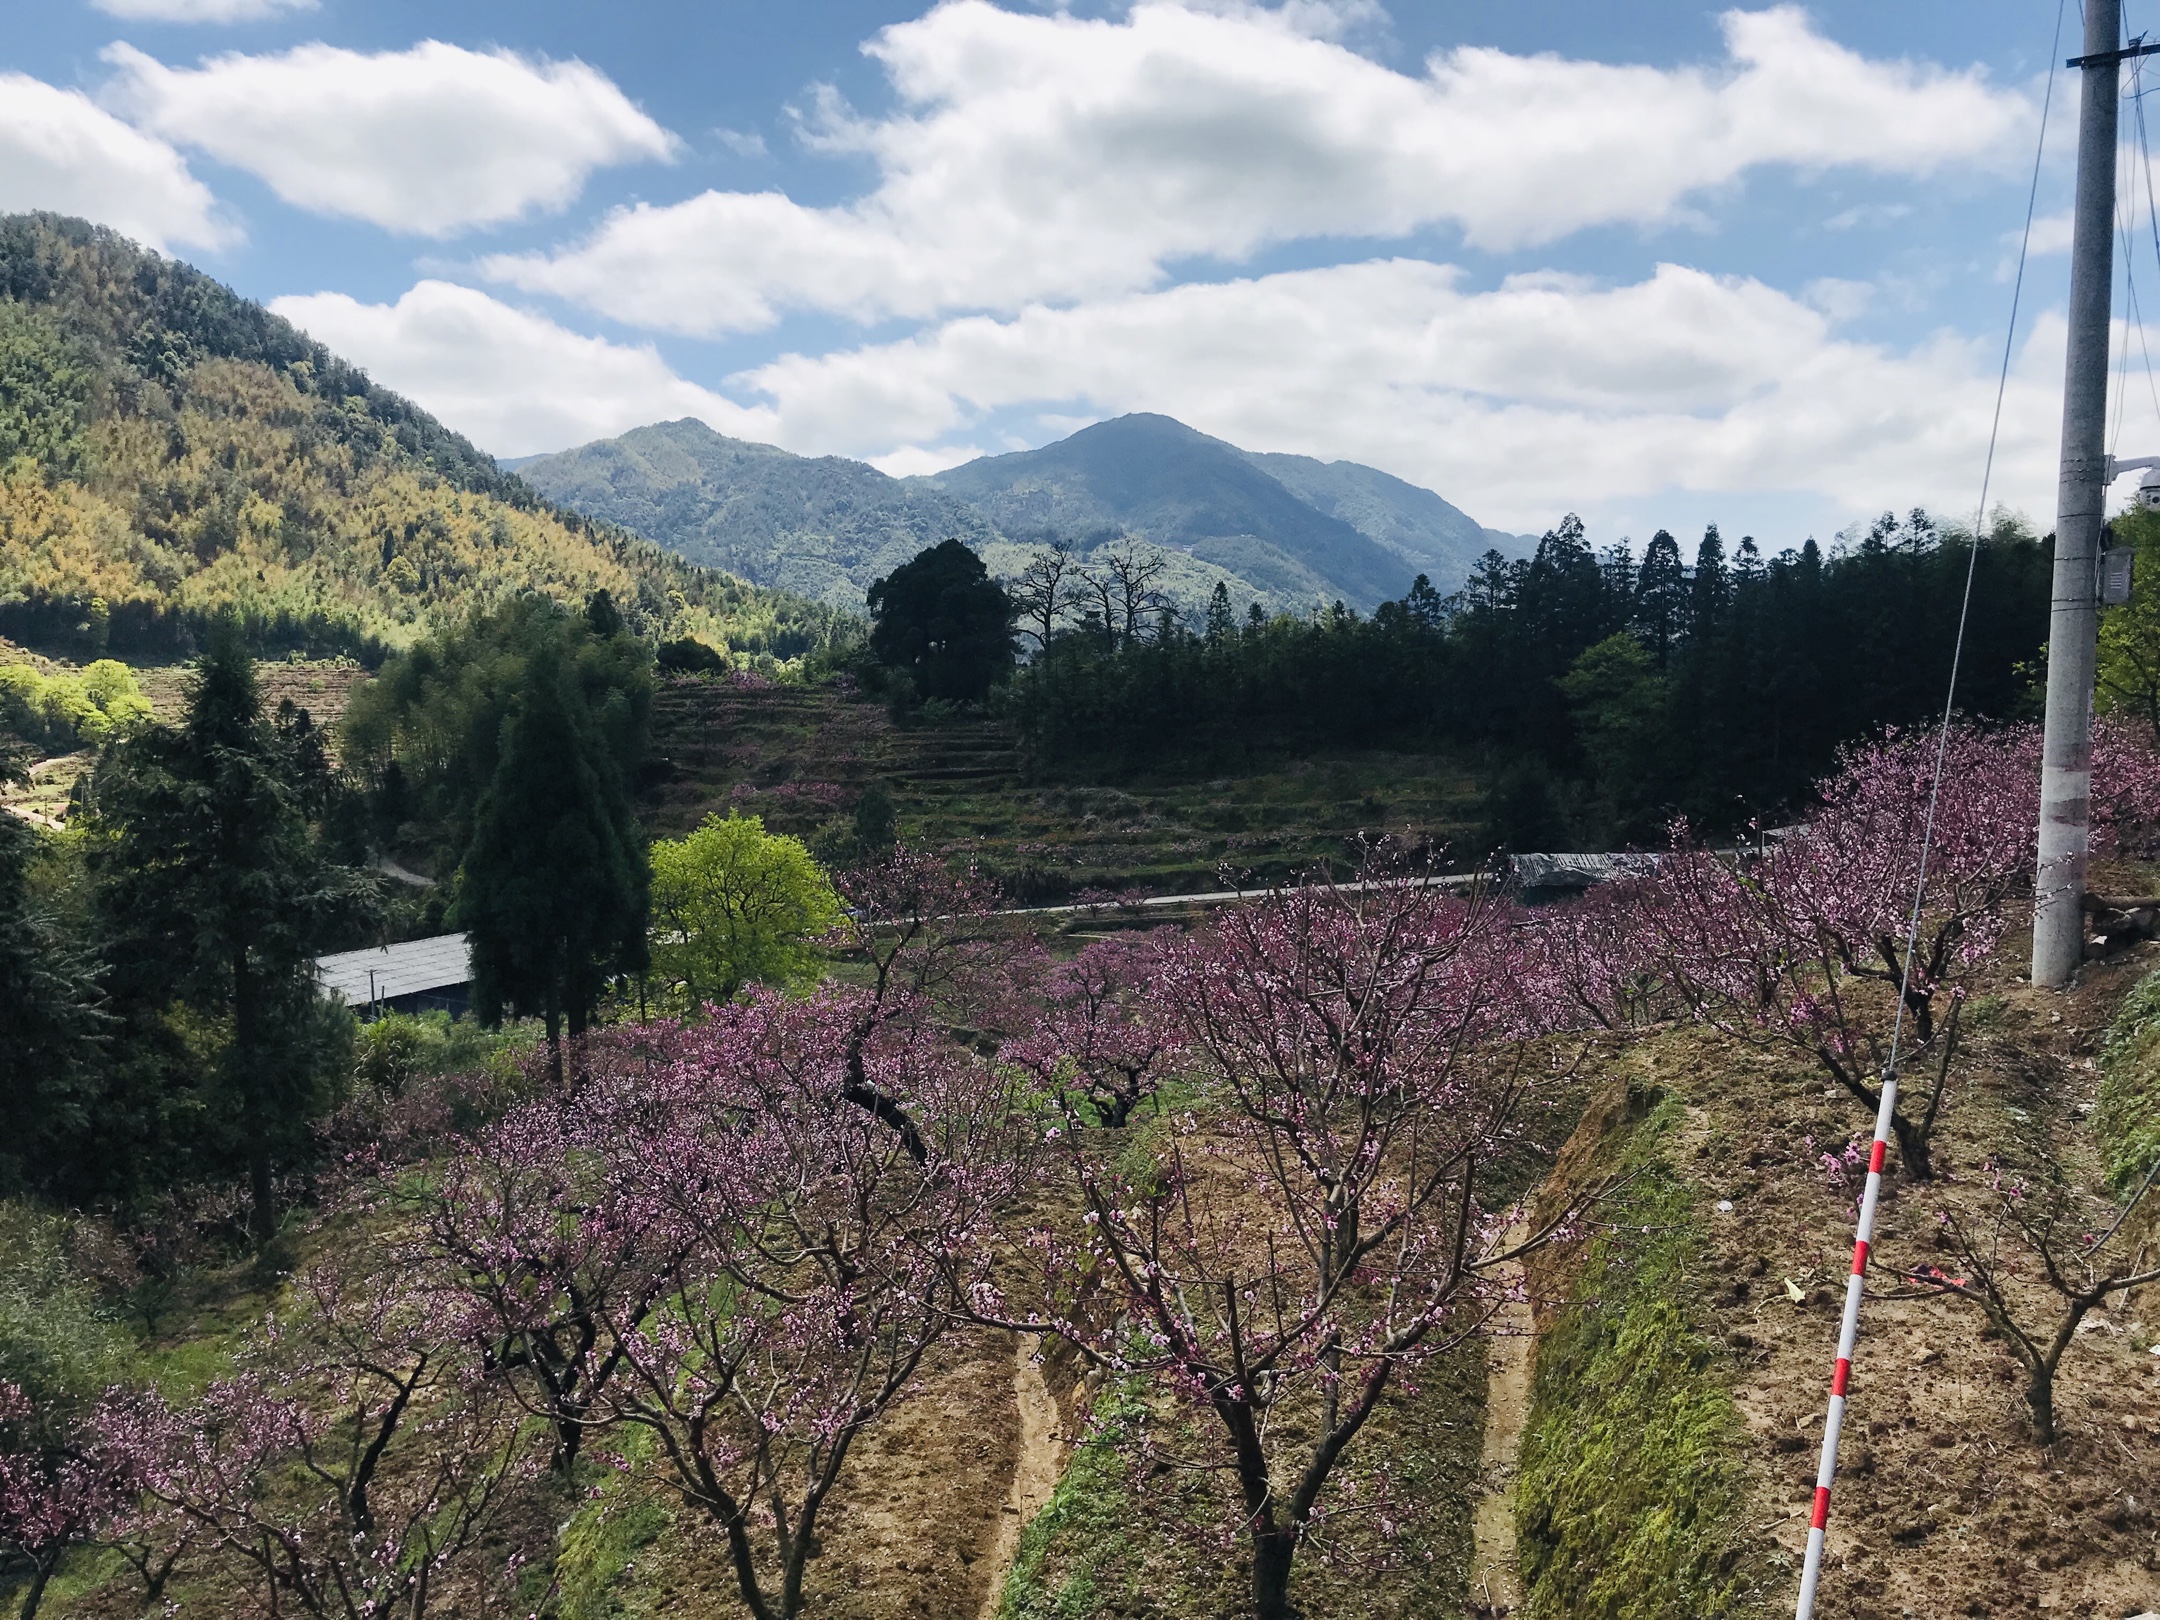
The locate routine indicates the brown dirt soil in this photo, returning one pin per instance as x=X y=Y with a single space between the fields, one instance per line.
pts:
x=914 y=1522
x=1039 y=1459
x=1944 y=1505
x=1509 y=1355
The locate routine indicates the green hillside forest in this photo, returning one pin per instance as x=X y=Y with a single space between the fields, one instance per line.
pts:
x=170 y=452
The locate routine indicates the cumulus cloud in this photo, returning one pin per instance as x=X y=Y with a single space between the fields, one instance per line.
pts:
x=58 y=150
x=430 y=141
x=1545 y=393
x=1050 y=157
x=201 y=11
x=510 y=380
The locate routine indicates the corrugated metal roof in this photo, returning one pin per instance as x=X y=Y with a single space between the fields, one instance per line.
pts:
x=396 y=970
x=1579 y=871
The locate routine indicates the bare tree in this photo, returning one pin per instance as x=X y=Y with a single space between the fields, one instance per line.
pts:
x=1131 y=574
x=1044 y=590
x=2045 y=1234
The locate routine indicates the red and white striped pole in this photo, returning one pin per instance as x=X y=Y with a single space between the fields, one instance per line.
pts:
x=1848 y=1331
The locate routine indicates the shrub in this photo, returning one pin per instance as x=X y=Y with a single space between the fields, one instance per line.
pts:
x=65 y=711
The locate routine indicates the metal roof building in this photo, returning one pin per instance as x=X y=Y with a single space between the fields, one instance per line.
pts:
x=420 y=975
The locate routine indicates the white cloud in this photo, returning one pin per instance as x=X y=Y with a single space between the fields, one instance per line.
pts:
x=1546 y=393
x=1054 y=157
x=912 y=460
x=201 y=11
x=512 y=381
x=2050 y=233
x=1871 y=215
x=429 y=141
x=58 y=150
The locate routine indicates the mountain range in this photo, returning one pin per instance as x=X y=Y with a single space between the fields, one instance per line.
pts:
x=1290 y=532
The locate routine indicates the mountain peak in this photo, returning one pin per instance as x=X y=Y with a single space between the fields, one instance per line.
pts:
x=1285 y=530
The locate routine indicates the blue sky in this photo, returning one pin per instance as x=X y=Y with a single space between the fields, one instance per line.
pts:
x=1659 y=264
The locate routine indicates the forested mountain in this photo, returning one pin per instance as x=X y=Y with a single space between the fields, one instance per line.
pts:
x=820 y=525
x=1286 y=531
x=170 y=451
x=1441 y=541
x=1155 y=478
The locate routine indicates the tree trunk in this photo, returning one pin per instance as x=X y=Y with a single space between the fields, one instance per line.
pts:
x=262 y=1215
x=1912 y=1142
x=2040 y=1397
x=1272 y=1551
x=554 y=1041
x=40 y=1572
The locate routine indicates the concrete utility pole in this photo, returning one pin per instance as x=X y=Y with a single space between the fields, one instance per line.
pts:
x=2066 y=754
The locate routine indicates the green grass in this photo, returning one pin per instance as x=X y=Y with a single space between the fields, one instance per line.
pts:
x=1630 y=1493
x=597 y=1548
x=1080 y=1543
x=2127 y=1121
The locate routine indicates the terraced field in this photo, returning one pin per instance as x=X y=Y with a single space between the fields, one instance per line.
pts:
x=802 y=757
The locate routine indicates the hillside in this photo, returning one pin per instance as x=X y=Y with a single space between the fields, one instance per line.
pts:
x=170 y=450
x=1437 y=539
x=1285 y=531
x=1158 y=479
x=822 y=526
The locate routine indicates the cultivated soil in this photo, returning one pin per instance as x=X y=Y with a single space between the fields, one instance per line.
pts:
x=1945 y=1505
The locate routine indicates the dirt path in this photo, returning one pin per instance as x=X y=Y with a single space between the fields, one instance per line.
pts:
x=1035 y=1472
x=1494 y=1587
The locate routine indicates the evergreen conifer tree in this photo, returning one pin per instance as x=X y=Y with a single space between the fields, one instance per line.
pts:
x=1661 y=596
x=218 y=884
x=553 y=889
x=53 y=1023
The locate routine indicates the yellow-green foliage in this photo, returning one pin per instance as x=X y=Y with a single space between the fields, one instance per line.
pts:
x=733 y=904
x=170 y=451
x=2128 y=1118
x=1628 y=1503
x=64 y=710
x=396 y=1049
x=220 y=493
x=2129 y=650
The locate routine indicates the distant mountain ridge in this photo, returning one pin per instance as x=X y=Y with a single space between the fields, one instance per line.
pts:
x=821 y=526
x=1287 y=531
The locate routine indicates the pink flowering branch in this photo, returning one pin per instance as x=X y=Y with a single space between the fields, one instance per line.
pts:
x=931 y=937
x=1099 y=1044
x=1368 y=1051
x=808 y=1255
x=539 y=1253
x=1804 y=947
x=57 y=1491
x=387 y=1449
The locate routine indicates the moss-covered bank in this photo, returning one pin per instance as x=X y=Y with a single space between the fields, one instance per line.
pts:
x=2127 y=1121
x=1630 y=1492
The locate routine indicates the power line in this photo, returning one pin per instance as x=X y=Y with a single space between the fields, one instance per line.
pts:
x=1886 y=1111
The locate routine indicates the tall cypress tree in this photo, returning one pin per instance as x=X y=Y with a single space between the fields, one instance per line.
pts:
x=218 y=887
x=554 y=886
x=1661 y=596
